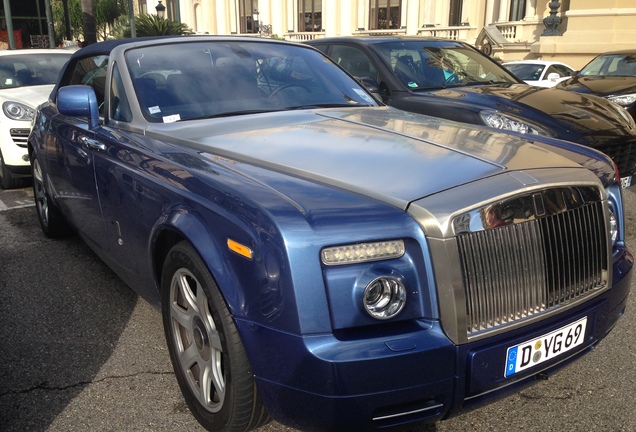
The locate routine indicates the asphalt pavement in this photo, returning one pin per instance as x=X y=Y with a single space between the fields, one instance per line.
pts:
x=79 y=351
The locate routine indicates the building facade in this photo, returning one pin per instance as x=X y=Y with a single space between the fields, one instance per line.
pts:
x=572 y=31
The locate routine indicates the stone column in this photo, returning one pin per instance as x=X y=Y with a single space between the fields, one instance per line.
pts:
x=531 y=10
x=412 y=11
x=503 y=11
x=490 y=12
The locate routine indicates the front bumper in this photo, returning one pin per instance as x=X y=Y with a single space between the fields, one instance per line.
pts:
x=408 y=372
x=13 y=143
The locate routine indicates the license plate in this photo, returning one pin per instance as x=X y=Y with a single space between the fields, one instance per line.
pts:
x=626 y=182
x=544 y=348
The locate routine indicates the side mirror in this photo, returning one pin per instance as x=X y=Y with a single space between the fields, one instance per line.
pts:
x=553 y=76
x=372 y=87
x=79 y=101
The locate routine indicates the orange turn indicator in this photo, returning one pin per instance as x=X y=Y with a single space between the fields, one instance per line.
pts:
x=239 y=248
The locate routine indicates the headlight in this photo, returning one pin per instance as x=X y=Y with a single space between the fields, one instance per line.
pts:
x=497 y=120
x=18 y=111
x=621 y=111
x=623 y=100
x=362 y=252
x=384 y=297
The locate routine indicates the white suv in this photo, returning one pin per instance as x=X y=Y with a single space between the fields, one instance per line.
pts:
x=26 y=80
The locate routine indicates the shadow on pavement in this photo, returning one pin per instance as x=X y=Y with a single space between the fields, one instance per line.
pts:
x=61 y=314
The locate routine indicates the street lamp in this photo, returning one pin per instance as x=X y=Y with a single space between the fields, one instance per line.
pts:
x=257 y=27
x=161 y=10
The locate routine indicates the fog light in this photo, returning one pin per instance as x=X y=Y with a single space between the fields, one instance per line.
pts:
x=384 y=297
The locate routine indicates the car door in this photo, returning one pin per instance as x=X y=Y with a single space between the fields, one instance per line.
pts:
x=72 y=175
x=129 y=198
x=358 y=63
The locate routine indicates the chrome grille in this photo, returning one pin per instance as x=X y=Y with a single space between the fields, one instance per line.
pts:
x=518 y=270
x=20 y=136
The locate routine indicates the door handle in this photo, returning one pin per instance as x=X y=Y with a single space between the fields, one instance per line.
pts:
x=91 y=143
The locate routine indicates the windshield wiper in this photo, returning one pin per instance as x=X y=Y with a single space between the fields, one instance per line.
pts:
x=325 y=105
x=233 y=113
x=474 y=83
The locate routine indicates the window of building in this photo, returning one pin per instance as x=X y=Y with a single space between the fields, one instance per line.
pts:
x=385 y=14
x=517 y=10
x=310 y=15
x=247 y=10
x=455 y=13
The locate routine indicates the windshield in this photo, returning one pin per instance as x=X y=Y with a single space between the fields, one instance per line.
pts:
x=211 y=79
x=611 y=65
x=427 y=64
x=526 y=71
x=24 y=70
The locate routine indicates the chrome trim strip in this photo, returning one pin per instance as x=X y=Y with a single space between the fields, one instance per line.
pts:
x=525 y=208
x=408 y=412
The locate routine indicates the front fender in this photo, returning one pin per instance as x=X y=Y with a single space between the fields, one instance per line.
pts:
x=191 y=227
x=440 y=107
x=257 y=289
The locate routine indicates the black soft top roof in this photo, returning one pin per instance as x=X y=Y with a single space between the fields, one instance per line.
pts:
x=105 y=47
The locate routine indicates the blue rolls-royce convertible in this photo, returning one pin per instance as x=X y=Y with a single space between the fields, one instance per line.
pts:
x=320 y=259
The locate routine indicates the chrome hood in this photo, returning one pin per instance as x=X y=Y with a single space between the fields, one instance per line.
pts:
x=383 y=153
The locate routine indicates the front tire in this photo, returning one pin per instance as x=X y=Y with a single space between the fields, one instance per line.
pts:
x=207 y=354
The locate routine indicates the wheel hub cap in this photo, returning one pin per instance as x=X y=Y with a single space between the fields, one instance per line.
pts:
x=201 y=339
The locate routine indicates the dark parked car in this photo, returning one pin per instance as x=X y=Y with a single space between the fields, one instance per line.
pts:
x=611 y=75
x=319 y=259
x=453 y=80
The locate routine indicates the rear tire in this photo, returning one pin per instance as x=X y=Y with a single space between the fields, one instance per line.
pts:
x=207 y=354
x=53 y=224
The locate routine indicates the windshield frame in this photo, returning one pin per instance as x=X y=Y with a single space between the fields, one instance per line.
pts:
x=608 y=65
x=448 y=65
x=208 y=79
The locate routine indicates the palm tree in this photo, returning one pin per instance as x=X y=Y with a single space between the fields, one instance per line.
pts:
x=88 y=22
x=152 y=25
